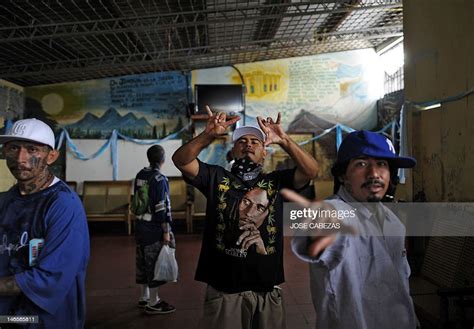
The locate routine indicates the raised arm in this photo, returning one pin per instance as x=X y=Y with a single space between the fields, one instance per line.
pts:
x=185 y=158
x=306 y=166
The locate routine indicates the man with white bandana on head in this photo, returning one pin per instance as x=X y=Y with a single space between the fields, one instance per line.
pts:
x=45 y=251
x=241 y=256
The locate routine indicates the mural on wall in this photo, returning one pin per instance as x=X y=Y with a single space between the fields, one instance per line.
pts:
x=12 y=102
x=215 y=153
x=146 y=106
x=335 y=88
x=313 y=93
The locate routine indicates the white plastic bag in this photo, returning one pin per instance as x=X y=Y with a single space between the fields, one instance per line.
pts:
x=166 y=267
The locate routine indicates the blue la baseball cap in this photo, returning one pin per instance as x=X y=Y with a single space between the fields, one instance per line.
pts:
x=374 y=145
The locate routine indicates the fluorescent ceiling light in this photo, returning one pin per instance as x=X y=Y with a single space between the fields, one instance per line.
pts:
x=430 y=107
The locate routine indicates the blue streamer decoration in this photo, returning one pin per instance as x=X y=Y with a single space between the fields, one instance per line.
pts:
x=114 y=154
x=76 y=152
x=60 y=139
x=402 y=173
x=113 y=144
x=8 y=124
x=338 y=136
x=325 y=132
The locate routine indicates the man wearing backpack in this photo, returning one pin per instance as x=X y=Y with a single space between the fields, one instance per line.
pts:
x=152 y=229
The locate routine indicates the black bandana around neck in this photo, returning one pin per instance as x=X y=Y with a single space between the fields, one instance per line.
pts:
x=246 y=169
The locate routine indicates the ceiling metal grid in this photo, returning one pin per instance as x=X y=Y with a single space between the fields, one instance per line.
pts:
x=51 y=41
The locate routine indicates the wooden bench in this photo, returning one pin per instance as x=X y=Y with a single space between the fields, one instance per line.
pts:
x=108 y=201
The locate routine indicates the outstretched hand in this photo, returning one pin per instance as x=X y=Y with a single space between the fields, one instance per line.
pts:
x=217 y=124
x=319 y=240
x=273 y=130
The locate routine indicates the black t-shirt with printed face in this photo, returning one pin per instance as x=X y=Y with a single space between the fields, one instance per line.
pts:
x=222 y=263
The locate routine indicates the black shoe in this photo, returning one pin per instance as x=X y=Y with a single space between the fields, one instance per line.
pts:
x=142 y=303
x=161 y=307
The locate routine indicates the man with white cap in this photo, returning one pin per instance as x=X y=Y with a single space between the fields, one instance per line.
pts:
x=360 y=280
x=241 y=256
x=44 y=231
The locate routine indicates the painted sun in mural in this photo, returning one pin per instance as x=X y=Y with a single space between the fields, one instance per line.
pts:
x=52 y=103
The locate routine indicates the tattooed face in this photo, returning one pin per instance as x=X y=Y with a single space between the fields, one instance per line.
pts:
x=28 y=161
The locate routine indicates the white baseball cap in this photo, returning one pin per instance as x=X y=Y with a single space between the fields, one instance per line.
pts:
x=32 y=130
x=248 y=130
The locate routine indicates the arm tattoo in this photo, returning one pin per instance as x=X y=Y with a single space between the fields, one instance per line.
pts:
x=8 y=286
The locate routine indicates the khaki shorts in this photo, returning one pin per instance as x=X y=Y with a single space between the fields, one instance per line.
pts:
x=244 y=310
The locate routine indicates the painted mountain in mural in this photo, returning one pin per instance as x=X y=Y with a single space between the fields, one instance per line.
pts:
x=306 y=122
x=86 y=122
x=92 y=126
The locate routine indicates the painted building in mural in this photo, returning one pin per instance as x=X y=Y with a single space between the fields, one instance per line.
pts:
x=337 y=87
x=313 y=94
x=260 y=83
x=331 y=88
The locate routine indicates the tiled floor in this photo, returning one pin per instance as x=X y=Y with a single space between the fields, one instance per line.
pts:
x=112 y=293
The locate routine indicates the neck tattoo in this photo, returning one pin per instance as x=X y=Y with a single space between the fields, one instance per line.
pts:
x=47 y=182
x=32 y=187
